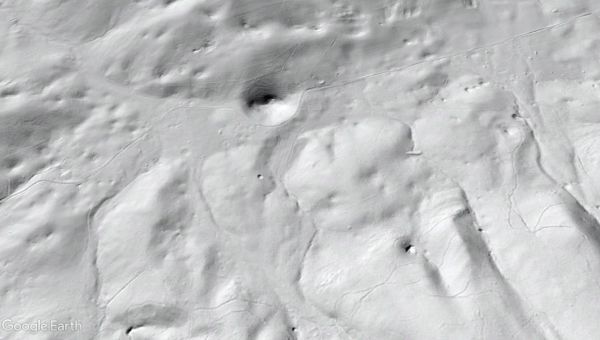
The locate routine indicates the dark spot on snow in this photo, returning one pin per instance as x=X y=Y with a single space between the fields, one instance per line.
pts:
x=261 y=92
x=407 y=246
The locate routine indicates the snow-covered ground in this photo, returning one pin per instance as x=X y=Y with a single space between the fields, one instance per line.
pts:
x=299 y=169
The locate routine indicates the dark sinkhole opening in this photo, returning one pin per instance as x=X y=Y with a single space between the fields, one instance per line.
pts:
x=260 y=92
x=407 y=246
x=261 y=99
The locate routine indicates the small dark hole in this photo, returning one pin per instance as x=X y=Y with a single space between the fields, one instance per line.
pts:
x=262 y=99
x=407 y=247
x=259 y=176
x=261 y=92
x=128 y=330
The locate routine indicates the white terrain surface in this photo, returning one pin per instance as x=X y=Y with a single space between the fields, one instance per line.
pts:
x=300 y=169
